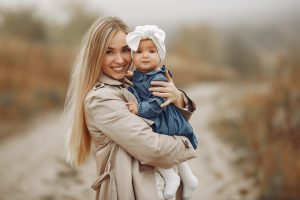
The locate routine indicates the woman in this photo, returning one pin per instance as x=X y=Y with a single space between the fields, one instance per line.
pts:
x=126 y=148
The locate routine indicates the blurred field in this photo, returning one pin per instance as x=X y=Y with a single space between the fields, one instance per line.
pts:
x=260 y=120
x=264 y=122
x=35 y=64
x=33 y=79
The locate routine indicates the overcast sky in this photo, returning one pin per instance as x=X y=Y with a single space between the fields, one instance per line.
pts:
x=172 y=11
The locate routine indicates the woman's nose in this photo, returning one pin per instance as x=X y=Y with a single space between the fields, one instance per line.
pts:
x=119 y=58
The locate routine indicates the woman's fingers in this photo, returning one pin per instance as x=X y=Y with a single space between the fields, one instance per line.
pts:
x=166 y=103
x=159 y=83
x=168 y=76
x=163 y=83
x=159 y=89
x=164 y=95
x=160 y=86
x=161 y=94
x=168 y=91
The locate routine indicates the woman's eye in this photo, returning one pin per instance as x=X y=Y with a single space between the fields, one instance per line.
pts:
x=138 y=51
x=109 y=52
x=126 y=50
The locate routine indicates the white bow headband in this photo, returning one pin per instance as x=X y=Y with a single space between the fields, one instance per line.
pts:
x=151 y=32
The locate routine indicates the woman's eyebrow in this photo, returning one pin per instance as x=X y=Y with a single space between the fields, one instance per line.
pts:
x=112 y=48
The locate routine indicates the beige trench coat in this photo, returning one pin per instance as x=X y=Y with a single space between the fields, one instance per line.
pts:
x=126 y=148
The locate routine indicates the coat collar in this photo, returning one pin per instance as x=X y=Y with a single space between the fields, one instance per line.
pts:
x=109 y=81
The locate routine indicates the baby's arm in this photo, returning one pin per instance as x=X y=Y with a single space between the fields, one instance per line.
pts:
x=146 y=109
x=152 y=107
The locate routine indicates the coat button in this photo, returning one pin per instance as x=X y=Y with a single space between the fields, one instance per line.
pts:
x=186 y=142
x=98 y=85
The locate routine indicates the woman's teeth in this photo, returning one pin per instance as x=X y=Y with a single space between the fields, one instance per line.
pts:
x=118 y=69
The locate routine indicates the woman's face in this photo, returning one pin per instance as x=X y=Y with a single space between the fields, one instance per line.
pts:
x=117 y=57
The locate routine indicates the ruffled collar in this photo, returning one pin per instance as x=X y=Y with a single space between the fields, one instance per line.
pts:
x=139 y=76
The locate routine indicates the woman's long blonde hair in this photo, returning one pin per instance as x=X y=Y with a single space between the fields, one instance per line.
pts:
x=85 y=73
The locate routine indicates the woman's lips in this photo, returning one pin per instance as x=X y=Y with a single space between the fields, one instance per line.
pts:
x=118 y=68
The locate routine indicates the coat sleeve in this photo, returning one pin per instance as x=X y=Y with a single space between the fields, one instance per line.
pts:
x=190 y=106
x=112 y=117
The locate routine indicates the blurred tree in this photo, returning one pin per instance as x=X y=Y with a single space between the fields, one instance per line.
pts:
x=199 y=43
x=23 y=23
x=240 y=54
x=80 y=19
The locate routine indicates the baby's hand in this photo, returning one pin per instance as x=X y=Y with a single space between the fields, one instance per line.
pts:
x=129 y=75
x=132 y=107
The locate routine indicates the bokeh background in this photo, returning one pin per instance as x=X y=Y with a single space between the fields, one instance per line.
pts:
x=249 y=50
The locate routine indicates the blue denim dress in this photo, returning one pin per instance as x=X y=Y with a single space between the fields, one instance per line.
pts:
x=167 y=120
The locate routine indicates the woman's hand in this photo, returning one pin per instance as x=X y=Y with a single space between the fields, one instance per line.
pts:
x=167 y=90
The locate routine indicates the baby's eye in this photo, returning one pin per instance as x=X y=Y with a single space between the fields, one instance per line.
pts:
x=152 y=51
x=138 y=51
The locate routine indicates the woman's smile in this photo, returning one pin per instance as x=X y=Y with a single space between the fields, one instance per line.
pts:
x=119 y=68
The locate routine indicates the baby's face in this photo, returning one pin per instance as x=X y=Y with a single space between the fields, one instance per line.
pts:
x=146 y=58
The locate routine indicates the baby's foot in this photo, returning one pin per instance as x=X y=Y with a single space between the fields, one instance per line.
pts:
x=171 y=186
x=189 y=188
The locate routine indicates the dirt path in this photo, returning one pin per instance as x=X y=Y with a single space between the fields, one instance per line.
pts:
x=219 y=178
x=32 y=164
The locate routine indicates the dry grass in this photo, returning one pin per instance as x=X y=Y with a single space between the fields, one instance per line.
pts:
x=33 y=78
x=187 y=71
x=268 y=127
